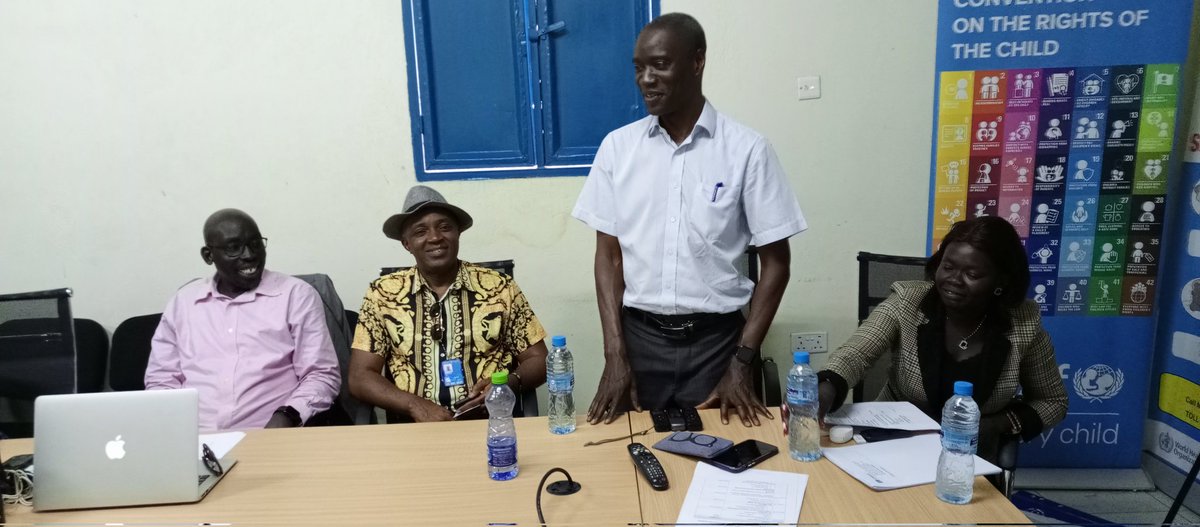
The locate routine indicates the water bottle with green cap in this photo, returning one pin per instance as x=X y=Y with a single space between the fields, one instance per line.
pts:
x=502 y=432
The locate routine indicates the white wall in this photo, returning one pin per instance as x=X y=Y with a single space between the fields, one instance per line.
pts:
x=124 y=123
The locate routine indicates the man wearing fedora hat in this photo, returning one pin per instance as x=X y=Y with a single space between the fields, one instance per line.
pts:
x=440 y=328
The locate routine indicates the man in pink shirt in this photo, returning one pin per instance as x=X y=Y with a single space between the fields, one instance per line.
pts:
x=252 y=342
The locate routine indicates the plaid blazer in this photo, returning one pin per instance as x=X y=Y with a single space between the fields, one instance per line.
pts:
x=1021 y=358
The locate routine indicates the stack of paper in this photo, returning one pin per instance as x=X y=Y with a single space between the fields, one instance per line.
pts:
x=897 y=463
x=751 y=497
x=895 y=415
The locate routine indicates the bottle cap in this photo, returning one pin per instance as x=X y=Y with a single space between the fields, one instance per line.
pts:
x=963 y=388
x=558 y=341
x=799 y=357
x=500 y=377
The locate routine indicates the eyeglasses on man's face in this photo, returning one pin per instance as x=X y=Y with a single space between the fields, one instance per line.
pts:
x=235 y=249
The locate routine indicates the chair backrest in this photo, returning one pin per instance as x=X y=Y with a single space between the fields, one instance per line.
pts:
x=131 y=352
x=92 y=348
x=37 y=344
x=342 y=334
x=43 y=351
x=876 y=274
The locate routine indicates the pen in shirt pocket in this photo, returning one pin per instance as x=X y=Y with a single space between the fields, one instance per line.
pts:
x=716 y=188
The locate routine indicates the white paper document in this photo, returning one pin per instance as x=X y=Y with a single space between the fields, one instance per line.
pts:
x=751 y=497
x=220 y=443
x=896 y=415
x=897 y=463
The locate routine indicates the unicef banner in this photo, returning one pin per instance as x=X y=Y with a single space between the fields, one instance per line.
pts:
x=1060 y=117
x=1173 y=429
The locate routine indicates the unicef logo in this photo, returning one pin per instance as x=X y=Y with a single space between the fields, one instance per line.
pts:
x=1165 y=443
x=1098 y=382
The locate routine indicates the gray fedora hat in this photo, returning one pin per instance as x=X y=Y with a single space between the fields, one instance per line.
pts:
x=421 y=198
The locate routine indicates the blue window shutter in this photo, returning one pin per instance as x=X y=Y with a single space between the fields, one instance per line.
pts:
x=586 y=68
x=472 y=83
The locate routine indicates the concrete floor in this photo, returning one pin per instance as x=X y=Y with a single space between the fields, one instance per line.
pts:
x=1118 y=506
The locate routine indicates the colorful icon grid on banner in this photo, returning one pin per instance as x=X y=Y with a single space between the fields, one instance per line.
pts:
x=1076 y=159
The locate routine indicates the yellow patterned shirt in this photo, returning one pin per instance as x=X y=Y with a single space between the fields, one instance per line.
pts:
x=487 y=323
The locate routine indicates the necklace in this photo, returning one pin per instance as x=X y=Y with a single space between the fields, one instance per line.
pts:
x=963 y=344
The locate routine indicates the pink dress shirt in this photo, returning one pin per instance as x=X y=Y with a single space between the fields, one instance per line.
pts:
x=249 y=355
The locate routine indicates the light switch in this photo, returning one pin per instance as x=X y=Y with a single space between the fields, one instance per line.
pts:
x=808 y=87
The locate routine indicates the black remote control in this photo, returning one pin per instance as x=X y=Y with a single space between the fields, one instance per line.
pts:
x=649 y=466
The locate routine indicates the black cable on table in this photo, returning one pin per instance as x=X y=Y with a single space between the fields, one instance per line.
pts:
x=558 y=488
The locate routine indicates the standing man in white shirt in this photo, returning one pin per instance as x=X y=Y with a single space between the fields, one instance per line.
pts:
x=675 y=198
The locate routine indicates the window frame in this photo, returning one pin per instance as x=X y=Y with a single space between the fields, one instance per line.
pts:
x=535 y=60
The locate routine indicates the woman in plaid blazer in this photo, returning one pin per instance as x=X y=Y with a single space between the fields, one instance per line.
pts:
x=969 y=320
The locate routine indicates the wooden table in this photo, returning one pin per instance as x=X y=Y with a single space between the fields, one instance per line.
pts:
x=832 y=496
x=409 y=474
x=435 y=474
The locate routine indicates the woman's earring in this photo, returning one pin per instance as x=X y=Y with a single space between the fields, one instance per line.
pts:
x=999 y=291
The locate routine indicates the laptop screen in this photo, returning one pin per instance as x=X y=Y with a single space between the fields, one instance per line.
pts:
x=115 y=449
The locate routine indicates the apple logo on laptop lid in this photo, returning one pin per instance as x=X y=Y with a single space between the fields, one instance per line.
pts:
x=115 y=449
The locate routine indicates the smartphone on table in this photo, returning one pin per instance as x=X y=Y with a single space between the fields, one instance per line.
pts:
x=476 y=411
x=743 y=455
x=874 y=435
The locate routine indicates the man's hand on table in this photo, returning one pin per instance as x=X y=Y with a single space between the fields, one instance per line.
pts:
x=733 y=392
x=617 y=386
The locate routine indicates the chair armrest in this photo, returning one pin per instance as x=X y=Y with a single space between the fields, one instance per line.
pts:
x=1006 y=453
x=770 y=383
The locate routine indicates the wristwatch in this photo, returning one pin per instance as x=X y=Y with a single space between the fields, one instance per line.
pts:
x=745 y=354
x=290 y=413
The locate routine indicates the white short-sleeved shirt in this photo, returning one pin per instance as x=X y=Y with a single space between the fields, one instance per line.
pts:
x=684 y=213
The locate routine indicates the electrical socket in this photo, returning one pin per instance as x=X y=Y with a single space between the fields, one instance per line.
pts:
x=808 y=87
x=812 y=342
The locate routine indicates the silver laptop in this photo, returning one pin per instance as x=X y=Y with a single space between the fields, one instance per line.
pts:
x=119 y=448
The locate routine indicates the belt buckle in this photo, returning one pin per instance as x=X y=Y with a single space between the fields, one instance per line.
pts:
x=679 y=332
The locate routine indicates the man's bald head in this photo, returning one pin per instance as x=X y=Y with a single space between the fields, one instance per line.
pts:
x=222 y=216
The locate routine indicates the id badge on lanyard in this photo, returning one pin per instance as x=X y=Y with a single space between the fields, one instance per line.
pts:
x=452 y=373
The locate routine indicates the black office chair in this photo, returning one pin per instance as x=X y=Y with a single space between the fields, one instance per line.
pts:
x=131 y=352
x=527 y=401
x=91 y=347
x=346 y=409
x=45 y=351
x=876 y=274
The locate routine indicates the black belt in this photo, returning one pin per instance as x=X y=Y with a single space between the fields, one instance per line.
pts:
x=681 y=326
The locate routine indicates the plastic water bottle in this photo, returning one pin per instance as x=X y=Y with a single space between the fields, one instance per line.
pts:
x=560 y=381
x=960 y=437
x=804 y=434
x=502 y=433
